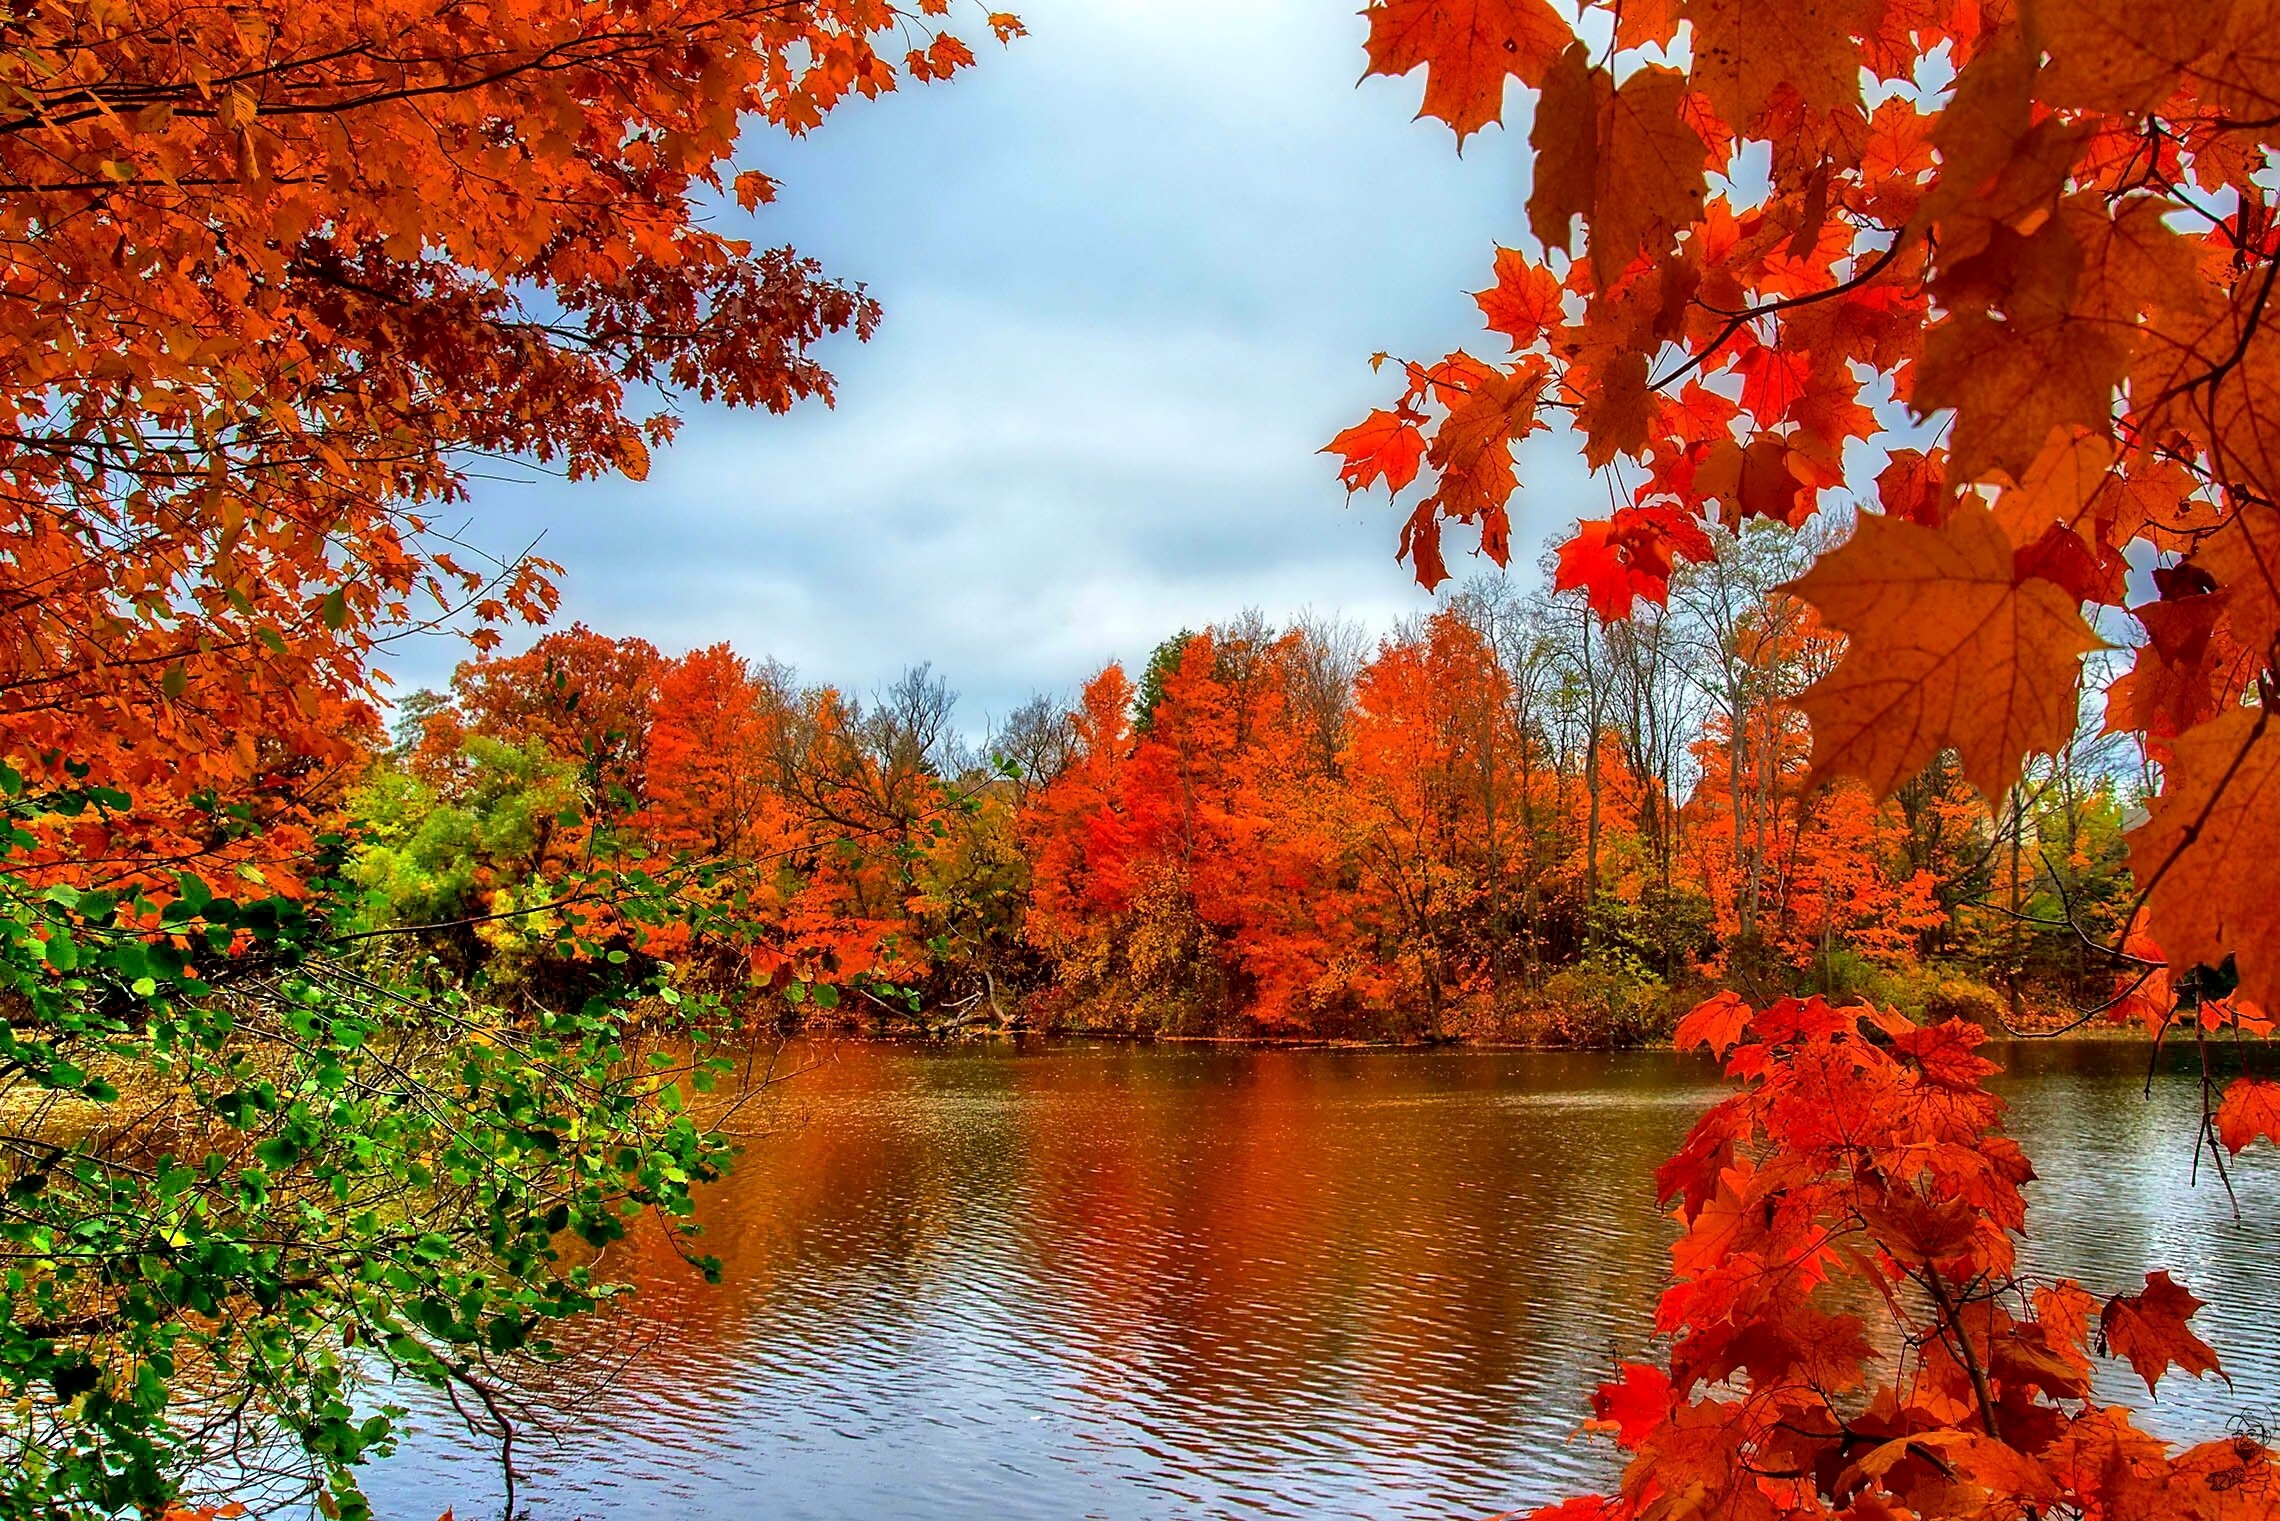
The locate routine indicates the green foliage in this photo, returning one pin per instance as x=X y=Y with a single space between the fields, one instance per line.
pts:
x=1163 y=664
x=251 y=1161
x=1608 y=998
x=421 y=857
x=1928 y=992
x=1667 y=929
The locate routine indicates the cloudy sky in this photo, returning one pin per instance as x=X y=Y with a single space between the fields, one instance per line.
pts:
x=1133 y=268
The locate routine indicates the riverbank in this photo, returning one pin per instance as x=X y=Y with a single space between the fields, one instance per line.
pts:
x=1618 y=1020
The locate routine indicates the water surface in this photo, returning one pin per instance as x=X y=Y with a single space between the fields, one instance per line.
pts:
x=1078 y=1280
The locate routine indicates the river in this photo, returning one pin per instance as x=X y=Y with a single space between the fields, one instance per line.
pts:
x=1077 y=1280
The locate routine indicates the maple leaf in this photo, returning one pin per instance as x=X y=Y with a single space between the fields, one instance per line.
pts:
x=1573 y=1508
x=2251 y=1108
x=2061 y=486
x=1914 y=487
x=1628 y=160
x=2063 y=1309
x=2061 y=558
x=1472 y=448
x=1468 y=49
x=1632 y=555
x=2188 y=671
x=1617 y=409
x=1633 y=1405
x=2242 y=556
x=2204 y=856
x=1745 y=53
x=1650 y=163
x=1590 y=561
x=1525 y=300
x=2217 y=378
x=2149 y=1330
x=1718 y=1022
x=1565 y=136
x=2012 y=381
x=1382 y=446
x=2118 y=56
x=1421 y=544
x=1946 y=649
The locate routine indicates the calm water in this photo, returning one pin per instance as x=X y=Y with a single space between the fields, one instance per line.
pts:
x=1083 y=1281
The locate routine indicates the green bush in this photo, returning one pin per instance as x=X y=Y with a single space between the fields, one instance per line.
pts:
x=1925 y=991
x=249 y=1157
x=1610 y=998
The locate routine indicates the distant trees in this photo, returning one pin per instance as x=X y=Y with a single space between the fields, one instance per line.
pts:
x=1504 y=817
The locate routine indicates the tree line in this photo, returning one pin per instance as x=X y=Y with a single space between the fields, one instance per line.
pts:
x=1507 y=818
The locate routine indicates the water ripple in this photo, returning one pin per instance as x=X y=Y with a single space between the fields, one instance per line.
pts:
x=1112 y=1282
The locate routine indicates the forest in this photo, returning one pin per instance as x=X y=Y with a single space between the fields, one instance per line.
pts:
x=364 y=1052
x=1504 y=820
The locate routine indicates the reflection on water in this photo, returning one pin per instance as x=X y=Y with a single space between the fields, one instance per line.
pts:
x=1082 y=1280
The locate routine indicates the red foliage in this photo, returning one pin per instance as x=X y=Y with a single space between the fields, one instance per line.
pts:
x=1850 y=1334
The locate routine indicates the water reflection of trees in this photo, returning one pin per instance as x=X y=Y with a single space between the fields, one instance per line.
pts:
x=1250 y=1254
x=1305 y=1276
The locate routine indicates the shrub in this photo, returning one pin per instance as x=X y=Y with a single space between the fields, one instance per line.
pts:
x=1609 y=998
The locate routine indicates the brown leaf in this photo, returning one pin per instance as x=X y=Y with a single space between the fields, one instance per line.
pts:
x=1746 y=52
x=2149 y=1329
x=1616 y=408
x=2204 y=855
x=1565 y=137
x=1946 y=650
x=1651 y=163
x=1627 y=160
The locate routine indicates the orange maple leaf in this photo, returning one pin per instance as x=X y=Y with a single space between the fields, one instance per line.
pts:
x=1525 y=300
x=1468 y=49
x=1718 y=1022
x=1627 y=158
x=1946 y=650
x=1748 y=56
x=2204 y=855
x=2149 y=1329
x=1382 y=446
x=2251 y=1109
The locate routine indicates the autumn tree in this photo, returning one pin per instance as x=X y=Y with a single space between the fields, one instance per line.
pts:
x=1425 y=767
x=2038 y=229
x=588 y=698
x=2029 y=254
x=279 y=277
x=282 y=272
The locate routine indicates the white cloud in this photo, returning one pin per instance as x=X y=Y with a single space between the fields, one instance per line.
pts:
x=1133 y=269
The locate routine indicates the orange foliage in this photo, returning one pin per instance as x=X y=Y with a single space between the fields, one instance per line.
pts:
x=278 y=271
x=2042 y=226
x=1857 y=1193
x=2048 y=228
